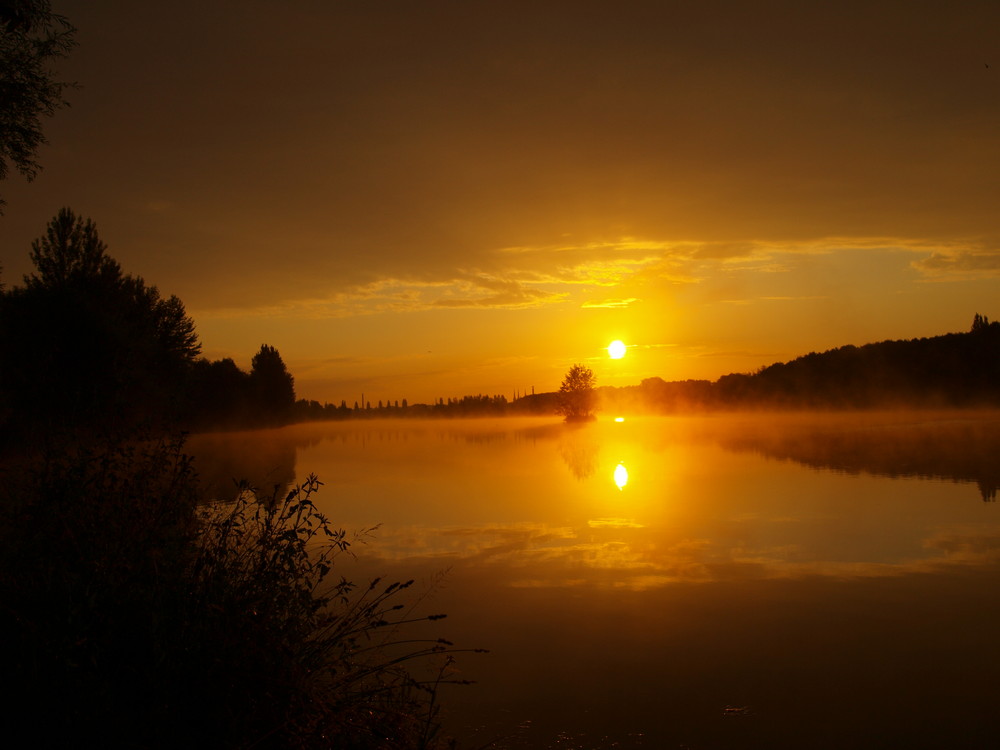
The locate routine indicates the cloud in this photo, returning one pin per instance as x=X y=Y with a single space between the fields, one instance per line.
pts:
x=481 y=290
x=610 y=303
x=526 y=277
x=959 y=264
x=517 y=136
x=615 y=523
x=506 y=288
x=793 y=298
x=511 y=300
x=776 y=298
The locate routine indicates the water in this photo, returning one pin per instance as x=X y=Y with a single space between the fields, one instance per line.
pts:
x=691 y=582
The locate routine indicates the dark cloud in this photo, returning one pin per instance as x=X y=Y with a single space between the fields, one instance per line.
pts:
x=280 y=166
x=319 y=146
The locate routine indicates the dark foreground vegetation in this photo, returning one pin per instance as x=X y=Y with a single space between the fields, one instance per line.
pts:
x=132 y=612
x=134 y=616
x=89 y=348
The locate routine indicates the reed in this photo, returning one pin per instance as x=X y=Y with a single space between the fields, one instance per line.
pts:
x=135 y=616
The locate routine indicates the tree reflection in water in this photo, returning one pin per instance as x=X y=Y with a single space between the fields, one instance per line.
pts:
x=957 y=446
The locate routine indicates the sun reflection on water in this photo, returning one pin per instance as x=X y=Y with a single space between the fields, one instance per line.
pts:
x=621 y=476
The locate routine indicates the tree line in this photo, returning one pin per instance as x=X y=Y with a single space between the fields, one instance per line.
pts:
x=88 y=347
x=960 y=370
x=467 y=406
x=953 y=370
x=479 y=405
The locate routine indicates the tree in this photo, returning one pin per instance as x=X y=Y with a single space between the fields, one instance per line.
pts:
x=576 y=394
x=87 y=345
x=31 y=38
x=71 y=252
x=980 y=323
x=271 y=385
x=219 y=394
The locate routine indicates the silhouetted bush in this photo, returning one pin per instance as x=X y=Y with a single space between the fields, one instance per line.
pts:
x=135 y=617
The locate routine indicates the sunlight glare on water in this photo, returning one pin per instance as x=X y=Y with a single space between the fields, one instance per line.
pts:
x=621 y=476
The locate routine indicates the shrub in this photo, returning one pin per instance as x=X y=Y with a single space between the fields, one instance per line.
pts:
x=134 y=616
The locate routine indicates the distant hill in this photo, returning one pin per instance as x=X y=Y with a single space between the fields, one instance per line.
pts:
x=956 y=369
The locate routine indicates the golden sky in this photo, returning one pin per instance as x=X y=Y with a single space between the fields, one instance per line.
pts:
x=424 y=199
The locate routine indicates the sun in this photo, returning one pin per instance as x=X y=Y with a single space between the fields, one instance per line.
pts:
x=616 y=350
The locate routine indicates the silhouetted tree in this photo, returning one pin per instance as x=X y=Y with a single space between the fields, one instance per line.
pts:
x=980 y=323
x=271 y=385
x=71 y=253
x=576 y=394
x=31 y=38
x=87 y=345
x=956 y=369
x=220 y=394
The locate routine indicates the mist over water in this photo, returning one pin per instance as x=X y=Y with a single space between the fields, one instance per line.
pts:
x=726 y=581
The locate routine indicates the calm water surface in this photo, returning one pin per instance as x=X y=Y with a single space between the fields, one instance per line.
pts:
x=691 y=582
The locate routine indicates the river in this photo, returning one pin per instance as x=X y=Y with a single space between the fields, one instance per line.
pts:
x=726 y=581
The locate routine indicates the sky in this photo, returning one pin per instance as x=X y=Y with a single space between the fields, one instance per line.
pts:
x=432 y=199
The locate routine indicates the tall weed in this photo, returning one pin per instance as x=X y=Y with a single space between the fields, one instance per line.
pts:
x=134 y=616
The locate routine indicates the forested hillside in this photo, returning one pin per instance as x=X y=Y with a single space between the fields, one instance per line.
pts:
x=953 y=370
